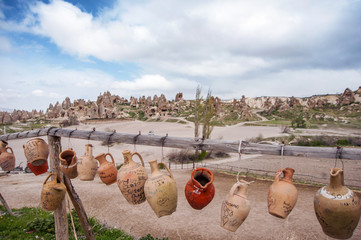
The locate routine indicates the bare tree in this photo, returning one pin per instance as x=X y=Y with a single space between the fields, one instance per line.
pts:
x=208 y=113
x=197 y=111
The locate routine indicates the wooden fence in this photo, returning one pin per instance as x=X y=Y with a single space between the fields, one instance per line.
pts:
x=195 y=143
x=54 y=136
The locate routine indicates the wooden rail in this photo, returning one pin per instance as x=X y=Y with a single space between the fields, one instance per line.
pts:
x=195 y=143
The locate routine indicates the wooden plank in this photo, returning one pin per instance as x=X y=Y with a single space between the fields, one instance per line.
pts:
x=61 y=222
x=8 y=209
x=190 y=143
x=79 y=208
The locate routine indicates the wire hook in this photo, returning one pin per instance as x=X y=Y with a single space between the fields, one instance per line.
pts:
x=338 y=155
x=71 y=132
x=163 y=141
x=110 y=136
x=239 y=149
x=135 y=141
x=91 y=134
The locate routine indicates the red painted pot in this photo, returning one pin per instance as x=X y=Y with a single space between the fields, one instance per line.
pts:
x=37 y=170
x=200 y=190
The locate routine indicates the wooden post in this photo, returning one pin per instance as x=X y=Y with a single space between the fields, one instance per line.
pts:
x=61 y=222
x=79 y=208
x=6 y=206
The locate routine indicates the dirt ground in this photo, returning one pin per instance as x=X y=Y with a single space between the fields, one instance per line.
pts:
x=108 y=205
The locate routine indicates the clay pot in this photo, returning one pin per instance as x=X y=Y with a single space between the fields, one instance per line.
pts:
x=52 y=193
x=87 y=165
x=235 y=207
x=160 y=190
x=7 y=159
x=37 y=170
x=200 y=190
x=107 y=170
x=337 y=208
x=131 y=178
x=282 y=194
x=68 y=163
x=36 y=151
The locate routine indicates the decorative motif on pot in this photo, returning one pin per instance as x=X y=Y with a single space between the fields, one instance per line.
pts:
x=68 y=163
x=235 y=207
x=52 y=193
x=87 y=165
x=7 y=159
x=200 y=190
x=36 y=151
x=160 y=190
x=107 y=170
x=337 y=208
x=282 y=194
x=131 y=178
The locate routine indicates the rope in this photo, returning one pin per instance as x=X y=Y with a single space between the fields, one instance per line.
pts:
x=135 y=141
x=163 y=141
x=71 y=218
x=338 y=155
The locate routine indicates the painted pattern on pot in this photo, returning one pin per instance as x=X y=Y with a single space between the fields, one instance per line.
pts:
x=160 y=190
x=337 y=208
x=107 y=170
x=282 y=194
x=36 y=151
x=68 y=163
x=131 y=178
x=87 y=165
x=200 y=190
x=235 y=207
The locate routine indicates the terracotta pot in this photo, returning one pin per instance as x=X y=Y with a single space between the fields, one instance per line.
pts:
x=160 y=190
x=200 y=190
x=68 y=163
x=282 y=194
x=7 y=159
x=337 y=208
x=36 y=151
x=131 y=178
x=37 y=170
x=52 y=193
x=107 y=170
x=87 y=165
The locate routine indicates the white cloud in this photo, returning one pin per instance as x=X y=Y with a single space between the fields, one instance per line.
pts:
x=5 y=44
x=38 y=93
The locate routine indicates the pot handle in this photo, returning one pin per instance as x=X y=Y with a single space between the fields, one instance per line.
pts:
x=108 y=154
x=140 y=157
x=10 y=149
x=166 y=167
x=234 y=188
x=278 y=175
x=49 y=177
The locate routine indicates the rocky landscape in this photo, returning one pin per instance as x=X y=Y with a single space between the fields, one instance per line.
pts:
x=108 y=106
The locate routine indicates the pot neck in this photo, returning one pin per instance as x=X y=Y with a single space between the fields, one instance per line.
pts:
x=154 y=169
x=89 y=149
x=205 y=173
x=101 y=158
x=128 y=157
x=288 y=174
x=336 y=178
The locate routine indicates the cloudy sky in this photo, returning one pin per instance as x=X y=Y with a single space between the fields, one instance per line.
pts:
x=53 y=49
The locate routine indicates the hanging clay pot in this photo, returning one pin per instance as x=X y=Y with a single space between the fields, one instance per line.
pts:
x=236 y=207
x=131 y=178
x=200 y=190
x=337 y=208
x=37 y=170
x=87 y=165
x=52 y=193
x=282 y=194
x=7 y=159
x=107 y=170
x=160 y=190
x=36 y=151
x=68 y=163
